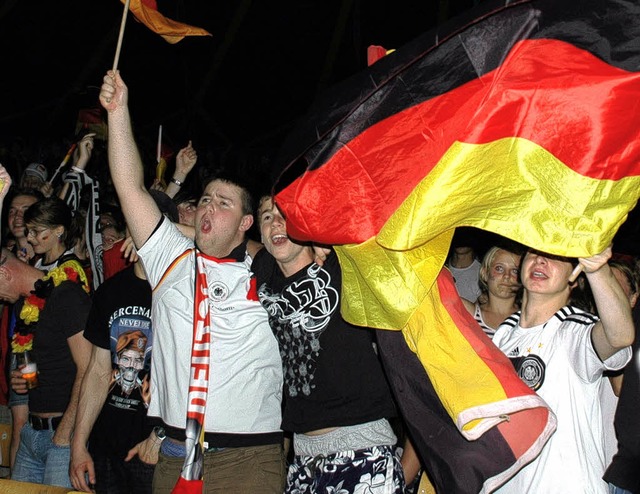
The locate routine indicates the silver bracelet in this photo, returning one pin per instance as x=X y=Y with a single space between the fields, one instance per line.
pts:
x=177 y=182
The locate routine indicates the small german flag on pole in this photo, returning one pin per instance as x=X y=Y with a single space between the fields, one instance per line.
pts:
x=146 y=11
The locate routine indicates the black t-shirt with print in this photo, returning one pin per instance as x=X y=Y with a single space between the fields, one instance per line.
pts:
x=332 y=374
x=120 y=321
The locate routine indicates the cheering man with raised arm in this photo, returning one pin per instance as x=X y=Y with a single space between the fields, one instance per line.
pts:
x=215 y=368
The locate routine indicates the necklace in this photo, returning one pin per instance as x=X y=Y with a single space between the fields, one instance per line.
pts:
x=27 y=320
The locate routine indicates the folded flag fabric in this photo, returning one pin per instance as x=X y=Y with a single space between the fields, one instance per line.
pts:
x=146 y=11
x=521 y=120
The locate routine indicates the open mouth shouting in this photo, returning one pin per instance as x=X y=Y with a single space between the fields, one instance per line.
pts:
x=279 y=239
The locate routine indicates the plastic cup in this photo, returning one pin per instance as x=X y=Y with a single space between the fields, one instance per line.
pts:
x=30 y=374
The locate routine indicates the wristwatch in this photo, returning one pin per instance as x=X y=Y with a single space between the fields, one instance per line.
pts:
x=160 y=433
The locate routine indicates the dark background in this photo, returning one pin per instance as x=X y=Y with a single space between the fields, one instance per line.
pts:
x=236 y=94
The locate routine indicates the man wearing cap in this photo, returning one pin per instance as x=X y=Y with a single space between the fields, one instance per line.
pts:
x=35 y=177
x=219 y=363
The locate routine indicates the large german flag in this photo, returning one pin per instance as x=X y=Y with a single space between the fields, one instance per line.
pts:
x=525 y=122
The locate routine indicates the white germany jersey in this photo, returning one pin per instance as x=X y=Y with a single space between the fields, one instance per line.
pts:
x=558 y=361
x=245 y=377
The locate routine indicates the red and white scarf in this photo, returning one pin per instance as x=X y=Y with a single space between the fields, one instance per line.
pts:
x=190 y=481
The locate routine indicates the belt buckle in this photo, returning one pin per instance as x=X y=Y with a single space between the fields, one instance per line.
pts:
x=41 y=423
x=212 y=449
x=36 y=422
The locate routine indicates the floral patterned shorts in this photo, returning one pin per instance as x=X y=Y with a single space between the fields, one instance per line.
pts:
x=375 y=470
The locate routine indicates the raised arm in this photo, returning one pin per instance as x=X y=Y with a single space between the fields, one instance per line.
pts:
x=615 y=329
x=185 y=161
x=81 y=158
x=125 y=164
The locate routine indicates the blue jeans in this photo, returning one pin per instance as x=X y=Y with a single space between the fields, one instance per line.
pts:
x=39 y=460
x=613 y=489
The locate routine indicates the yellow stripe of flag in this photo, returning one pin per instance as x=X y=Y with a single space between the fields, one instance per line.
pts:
x=512 y=187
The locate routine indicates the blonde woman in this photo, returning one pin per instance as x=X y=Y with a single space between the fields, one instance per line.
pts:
x=499 y=284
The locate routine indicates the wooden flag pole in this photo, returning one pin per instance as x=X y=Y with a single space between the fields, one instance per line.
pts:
x=121 y=34
x=575 y=273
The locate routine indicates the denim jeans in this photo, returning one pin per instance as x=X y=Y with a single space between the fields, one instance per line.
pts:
x=618 y=490
x=39 y=460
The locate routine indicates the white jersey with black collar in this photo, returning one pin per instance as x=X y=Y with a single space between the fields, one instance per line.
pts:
x=245 y=384
x=558 y=361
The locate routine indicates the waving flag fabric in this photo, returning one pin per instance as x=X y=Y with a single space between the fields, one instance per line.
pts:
x=523 y=122
x=146 y=11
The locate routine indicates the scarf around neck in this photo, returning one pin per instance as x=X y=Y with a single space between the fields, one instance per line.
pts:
x=190 y=480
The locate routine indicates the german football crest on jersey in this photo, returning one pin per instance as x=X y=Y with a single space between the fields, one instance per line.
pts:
x=531 y=370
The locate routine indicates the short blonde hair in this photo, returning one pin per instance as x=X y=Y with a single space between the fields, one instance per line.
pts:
x=485 y=267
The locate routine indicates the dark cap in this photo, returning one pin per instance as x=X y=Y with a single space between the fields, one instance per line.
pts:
x=165 y=205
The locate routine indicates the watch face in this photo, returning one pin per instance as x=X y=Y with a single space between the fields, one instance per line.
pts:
x=160 y=433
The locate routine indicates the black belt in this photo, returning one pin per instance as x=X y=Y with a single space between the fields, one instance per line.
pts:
x=42 y=423
x=180 y=435
x=228 y=440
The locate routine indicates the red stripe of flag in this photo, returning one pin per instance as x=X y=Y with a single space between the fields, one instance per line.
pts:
x=564 y=89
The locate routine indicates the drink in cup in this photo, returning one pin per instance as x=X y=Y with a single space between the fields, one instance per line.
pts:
x=30 y=374
x=28 y=368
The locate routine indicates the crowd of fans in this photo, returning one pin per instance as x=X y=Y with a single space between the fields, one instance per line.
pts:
x=99 y=276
